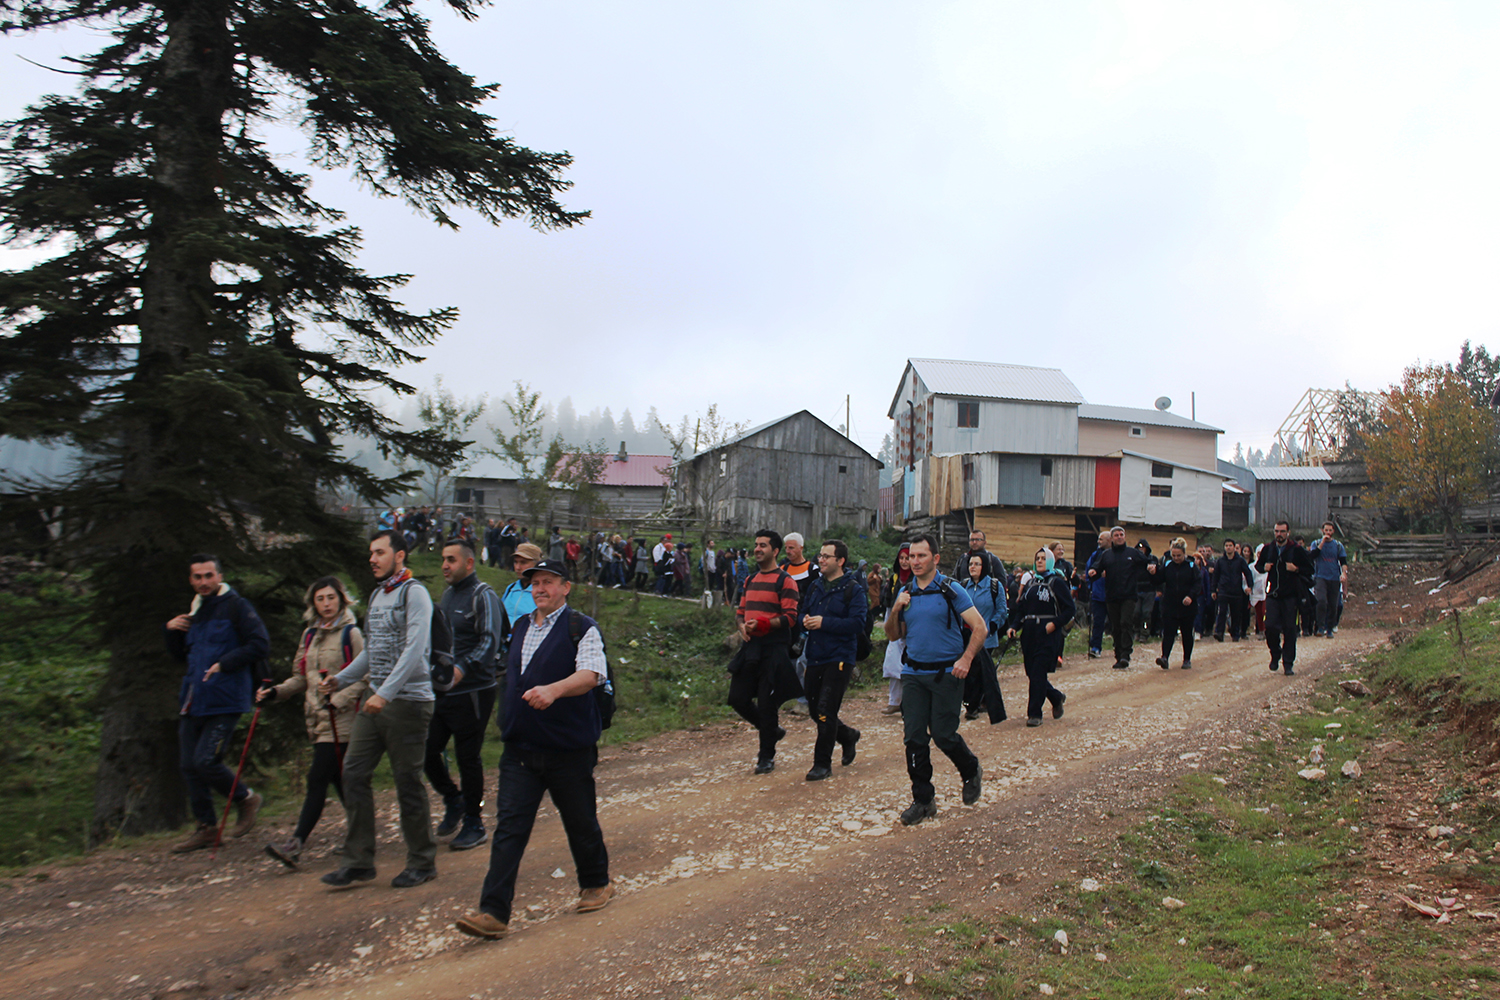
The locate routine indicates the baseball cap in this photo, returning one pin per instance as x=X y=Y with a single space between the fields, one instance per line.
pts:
x=546 y=566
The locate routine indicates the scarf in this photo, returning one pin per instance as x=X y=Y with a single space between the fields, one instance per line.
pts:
x=198 y=599
x=395 y=580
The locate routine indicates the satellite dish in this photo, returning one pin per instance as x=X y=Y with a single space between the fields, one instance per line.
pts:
x=1163 y=403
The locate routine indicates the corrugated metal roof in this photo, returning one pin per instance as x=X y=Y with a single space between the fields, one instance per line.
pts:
x=1293 y=473
x=636 y=470
x=1140 y=415
x=772 y=423
x=991 y=380
x=1171 y=462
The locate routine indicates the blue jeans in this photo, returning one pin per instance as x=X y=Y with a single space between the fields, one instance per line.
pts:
x=201 y=742
x=1098 y=618
x=525 y=776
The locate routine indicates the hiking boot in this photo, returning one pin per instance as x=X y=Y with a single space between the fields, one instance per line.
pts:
x=1033 y=722
x=287 y=852
x=891 y=710
x=472 y=835
x=1288 y=671
x=1275 y=666
x=1187 y=664
x=245 y=811
x=348 y=876
x=453 y=816
x=1218 y=637
x=849 y=750
x=196 y=841
x=483 y=925
x=973 y=785
x=917 y=812
x=971 y=713
x=765 y=765
x=1161 y=661
x=410 y=877
x=1122 y=664
x=1057 y=706
x=819 y=773
x=596 y=898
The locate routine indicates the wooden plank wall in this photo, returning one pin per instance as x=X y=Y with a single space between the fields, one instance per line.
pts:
x=1015 y=533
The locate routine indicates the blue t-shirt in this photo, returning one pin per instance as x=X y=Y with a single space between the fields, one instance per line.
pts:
x=934 y=633
x=518 y=602
x=1326 y=556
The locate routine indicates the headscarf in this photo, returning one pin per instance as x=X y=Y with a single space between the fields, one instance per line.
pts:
x=1051 y=569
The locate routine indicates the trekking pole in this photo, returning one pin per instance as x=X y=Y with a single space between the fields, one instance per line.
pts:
x=245 y=753
x=333 y=722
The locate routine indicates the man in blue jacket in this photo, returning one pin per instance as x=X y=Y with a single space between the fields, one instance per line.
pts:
x=833 y=611
x=1098 y=610
x=220 y=639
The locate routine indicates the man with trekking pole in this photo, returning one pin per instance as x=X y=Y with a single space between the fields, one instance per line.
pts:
x=221 y=640
x=394 y=720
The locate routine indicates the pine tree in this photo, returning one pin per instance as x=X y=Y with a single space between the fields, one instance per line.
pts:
x=203 y=330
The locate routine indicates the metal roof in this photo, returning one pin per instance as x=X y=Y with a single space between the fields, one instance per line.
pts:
x=772 y=423
x=992 y=380
x=1172 y=462
x=1293 y=473
x=1140 y=415
x=636 y=470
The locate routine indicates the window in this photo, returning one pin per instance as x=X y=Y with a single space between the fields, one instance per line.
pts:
x=723 y=464
x=479 y=498
x=968 y=414
x=1046 y=466
x=968 y=471
x=1161 y=470
x=1161 y=490
x=1137 y=432
x=462 y=495
x=843 y=468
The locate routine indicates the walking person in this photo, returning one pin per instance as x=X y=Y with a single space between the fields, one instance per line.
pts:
x=1121 y=568
x=832 y=612
x=1181 y=586
x=643 y=564
x=762 y=677
x=994 y=567
x=393 y=721
x=329 y=644
x=1044 y=607
x=1330 y=571
x=516 y=598
x=928 y=613
x=712 y=580
x=220 y=641
x=477 y=619
x=551 y=727
x=1233 y=582
x=1258 y=593
x=1288 y=570
x=508 y=537
x=557 y=546
x=982 y=686
x=874 y=594
x=1098 y=608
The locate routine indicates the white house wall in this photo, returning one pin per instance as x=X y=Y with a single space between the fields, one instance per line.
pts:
x=1006 y=425
x=1197 y=497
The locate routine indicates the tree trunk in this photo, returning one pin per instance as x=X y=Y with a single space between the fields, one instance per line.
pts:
x=143 y=576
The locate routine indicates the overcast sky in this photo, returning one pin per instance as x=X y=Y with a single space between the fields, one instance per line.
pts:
x=790 y=199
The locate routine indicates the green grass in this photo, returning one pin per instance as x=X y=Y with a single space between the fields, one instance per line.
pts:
x=1452 y=664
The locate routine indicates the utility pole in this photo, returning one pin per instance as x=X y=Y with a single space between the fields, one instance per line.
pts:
x=696 y=428
x=848 y=426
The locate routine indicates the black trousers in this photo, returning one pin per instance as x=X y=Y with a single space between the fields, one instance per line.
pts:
x=327 y=769
x=461 y=717
x=525 y=776
x=825 y=684
x=931 y=705
x=982 y=687
x=1232 y=609
x=1041 y=690
x=1281 y=629
x=753 y=693
x=1122 y=626
x=1170 y=626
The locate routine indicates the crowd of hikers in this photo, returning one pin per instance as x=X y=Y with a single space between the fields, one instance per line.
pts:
x=421 y=676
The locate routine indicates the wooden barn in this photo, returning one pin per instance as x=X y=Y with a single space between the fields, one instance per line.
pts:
x=633 y=487
x=792 y=474
x=1297 y=494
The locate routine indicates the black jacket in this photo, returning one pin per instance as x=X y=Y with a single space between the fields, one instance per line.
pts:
x=1123 y=569
x=1232 y=576
x=1178 y=580
x=1042 y=601
x=1282 y=583
x=479 y=623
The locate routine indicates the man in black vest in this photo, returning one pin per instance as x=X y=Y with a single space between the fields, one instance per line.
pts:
x=461 y=713
x=1289 y=571
x=550 y=724
x=1122 y=569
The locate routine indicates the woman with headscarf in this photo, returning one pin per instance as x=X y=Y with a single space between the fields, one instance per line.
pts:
x=1181 y=584
x=981 y=686
x=1041 y=610
x=891 y=668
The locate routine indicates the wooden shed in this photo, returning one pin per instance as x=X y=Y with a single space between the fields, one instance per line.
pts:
x=1297 y=494
x=792 y=474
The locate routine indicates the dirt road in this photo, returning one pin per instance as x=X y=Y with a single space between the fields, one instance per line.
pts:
x=726 y=880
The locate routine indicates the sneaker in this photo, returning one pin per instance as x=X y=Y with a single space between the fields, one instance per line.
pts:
x=197 y=840
x=819 y=773
x=1187 y=664
x=245 y=812
x=971 y=713
x=1161 y=661
x=973 y=786
x=453 y=816
x=1218 y=637
x=1033 y=722
x=1318 y=634
x=765 y=765
x=849 y=751
x=483 y=925
x=596 y=898
x=348 y=876
x=917 y=812
x=287 y=853
x=891 y=710
x=412 y=877
x=1057 y=706
x=1094 y=654
x=472 y=835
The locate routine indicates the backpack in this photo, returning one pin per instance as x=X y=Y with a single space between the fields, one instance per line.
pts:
x=946 y=589
x=604 y=694
x=862 y=644
x=345 y=643
x=441 y=664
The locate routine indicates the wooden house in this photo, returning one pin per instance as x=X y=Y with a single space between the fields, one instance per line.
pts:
x=632 y=488
x=1297 y=494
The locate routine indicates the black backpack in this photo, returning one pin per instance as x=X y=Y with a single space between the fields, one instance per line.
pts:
x=442 y=662
x=862 y=644
x=604 y=694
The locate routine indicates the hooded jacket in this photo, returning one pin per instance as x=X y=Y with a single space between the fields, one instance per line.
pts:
x=844 y=608
x=321 y=651
x=225 y=630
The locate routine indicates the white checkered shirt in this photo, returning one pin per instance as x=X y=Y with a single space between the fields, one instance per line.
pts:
x=590 y=644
